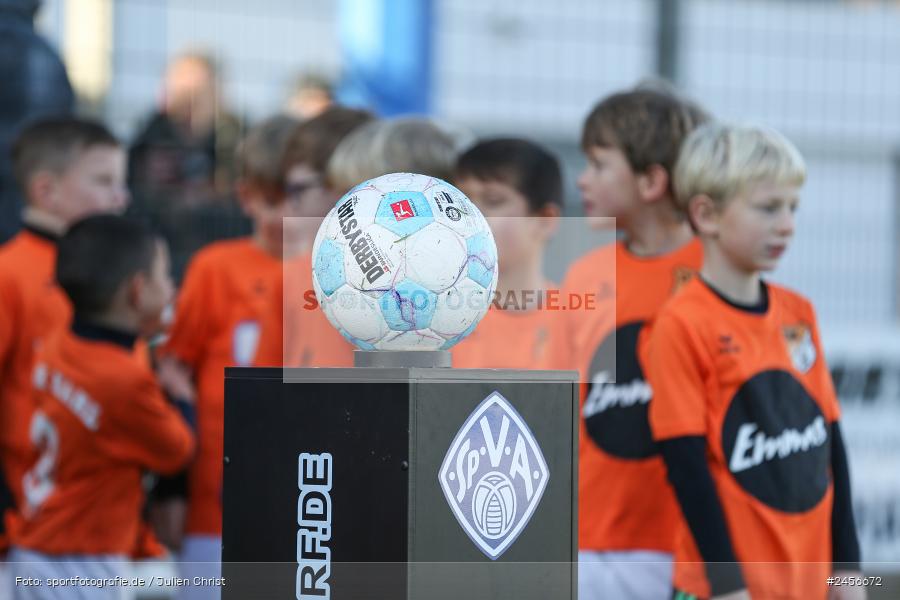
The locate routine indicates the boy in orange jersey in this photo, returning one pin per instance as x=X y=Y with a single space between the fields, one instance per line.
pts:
x=744 y=407
x=222 y=299
x=517 y=185
x=67 y=168
x=627 y=512
x=305 y=164
x=100 y=417
x=403 y=144
x=222 y=279
x=226 y=296
x=294 y=316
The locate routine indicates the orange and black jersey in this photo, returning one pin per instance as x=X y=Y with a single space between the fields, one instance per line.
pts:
x=754 y=384
x=507 y=339
x=31 y=307
x=624 y=500
x=226 y=293
x=296 y=332
x=100 y=421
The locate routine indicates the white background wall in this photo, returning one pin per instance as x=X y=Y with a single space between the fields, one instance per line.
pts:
x=825 y=73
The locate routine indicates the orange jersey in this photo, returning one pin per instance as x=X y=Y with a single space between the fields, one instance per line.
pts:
x=31 y=306
x=100 y=420
x=506 y=339
x=756 y=386
x=624 y=499
x=298 y=334
x=226 y=293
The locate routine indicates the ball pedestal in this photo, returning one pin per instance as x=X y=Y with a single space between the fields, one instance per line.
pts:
x=404 y=480
x=387 y=359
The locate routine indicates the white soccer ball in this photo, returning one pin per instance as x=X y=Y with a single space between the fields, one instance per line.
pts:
x=404 y=262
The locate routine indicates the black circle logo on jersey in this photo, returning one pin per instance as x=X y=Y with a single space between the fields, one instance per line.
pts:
x=777 y=442
x=453 y=213
x=615 y=410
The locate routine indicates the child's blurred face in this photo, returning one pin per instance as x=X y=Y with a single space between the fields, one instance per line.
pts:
x=155 y=291
x=754 y=228
x=306 y=189
x=93 y=184
x=270 y=212
x=518 y=232
x=608 y=186
x=286 y=221
x=310 y=199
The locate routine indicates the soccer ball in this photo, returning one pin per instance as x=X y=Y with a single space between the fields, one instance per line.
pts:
x=404 y=262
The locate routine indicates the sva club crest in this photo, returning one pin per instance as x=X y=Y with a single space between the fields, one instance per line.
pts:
x=494 y=475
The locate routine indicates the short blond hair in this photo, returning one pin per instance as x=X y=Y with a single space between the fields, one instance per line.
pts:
x=408 y=144
x=721 y=160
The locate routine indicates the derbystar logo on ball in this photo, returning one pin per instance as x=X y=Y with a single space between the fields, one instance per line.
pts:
x=494 y=475
x=404 y=262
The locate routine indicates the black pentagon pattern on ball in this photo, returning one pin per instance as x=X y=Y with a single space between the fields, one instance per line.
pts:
x=615 y=414
x=777 y=443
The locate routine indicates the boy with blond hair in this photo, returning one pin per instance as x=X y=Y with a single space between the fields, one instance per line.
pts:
x=67 y=168
x=626 y=509
x=744 y=408
x=402 y=144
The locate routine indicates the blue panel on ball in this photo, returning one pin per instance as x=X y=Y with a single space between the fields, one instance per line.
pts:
x=458 y=338
x=404 y=213
x=408 y=306
x=361 y=344
x=482 y=259
x=329 y=266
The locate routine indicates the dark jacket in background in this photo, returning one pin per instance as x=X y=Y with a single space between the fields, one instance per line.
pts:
x=33 y=84
x=184 y=187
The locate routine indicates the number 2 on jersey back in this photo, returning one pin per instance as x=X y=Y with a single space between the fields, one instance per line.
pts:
x=38 y=482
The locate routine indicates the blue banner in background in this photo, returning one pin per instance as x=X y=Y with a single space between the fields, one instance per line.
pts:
x=386 y=55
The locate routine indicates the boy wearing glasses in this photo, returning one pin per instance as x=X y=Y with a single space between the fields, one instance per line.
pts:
x=227 y=291
x=311 y=192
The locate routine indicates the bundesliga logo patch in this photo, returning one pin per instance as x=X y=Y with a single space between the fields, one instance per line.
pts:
x=402 y=210
x=494 y=475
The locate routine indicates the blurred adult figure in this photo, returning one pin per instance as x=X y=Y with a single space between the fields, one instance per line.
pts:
x=34 y=85
x=188 y=144
x=310 y=95
x=181 y=164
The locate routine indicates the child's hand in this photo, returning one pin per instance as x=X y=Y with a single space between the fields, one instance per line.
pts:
x=175 y=378
x=167 y=518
